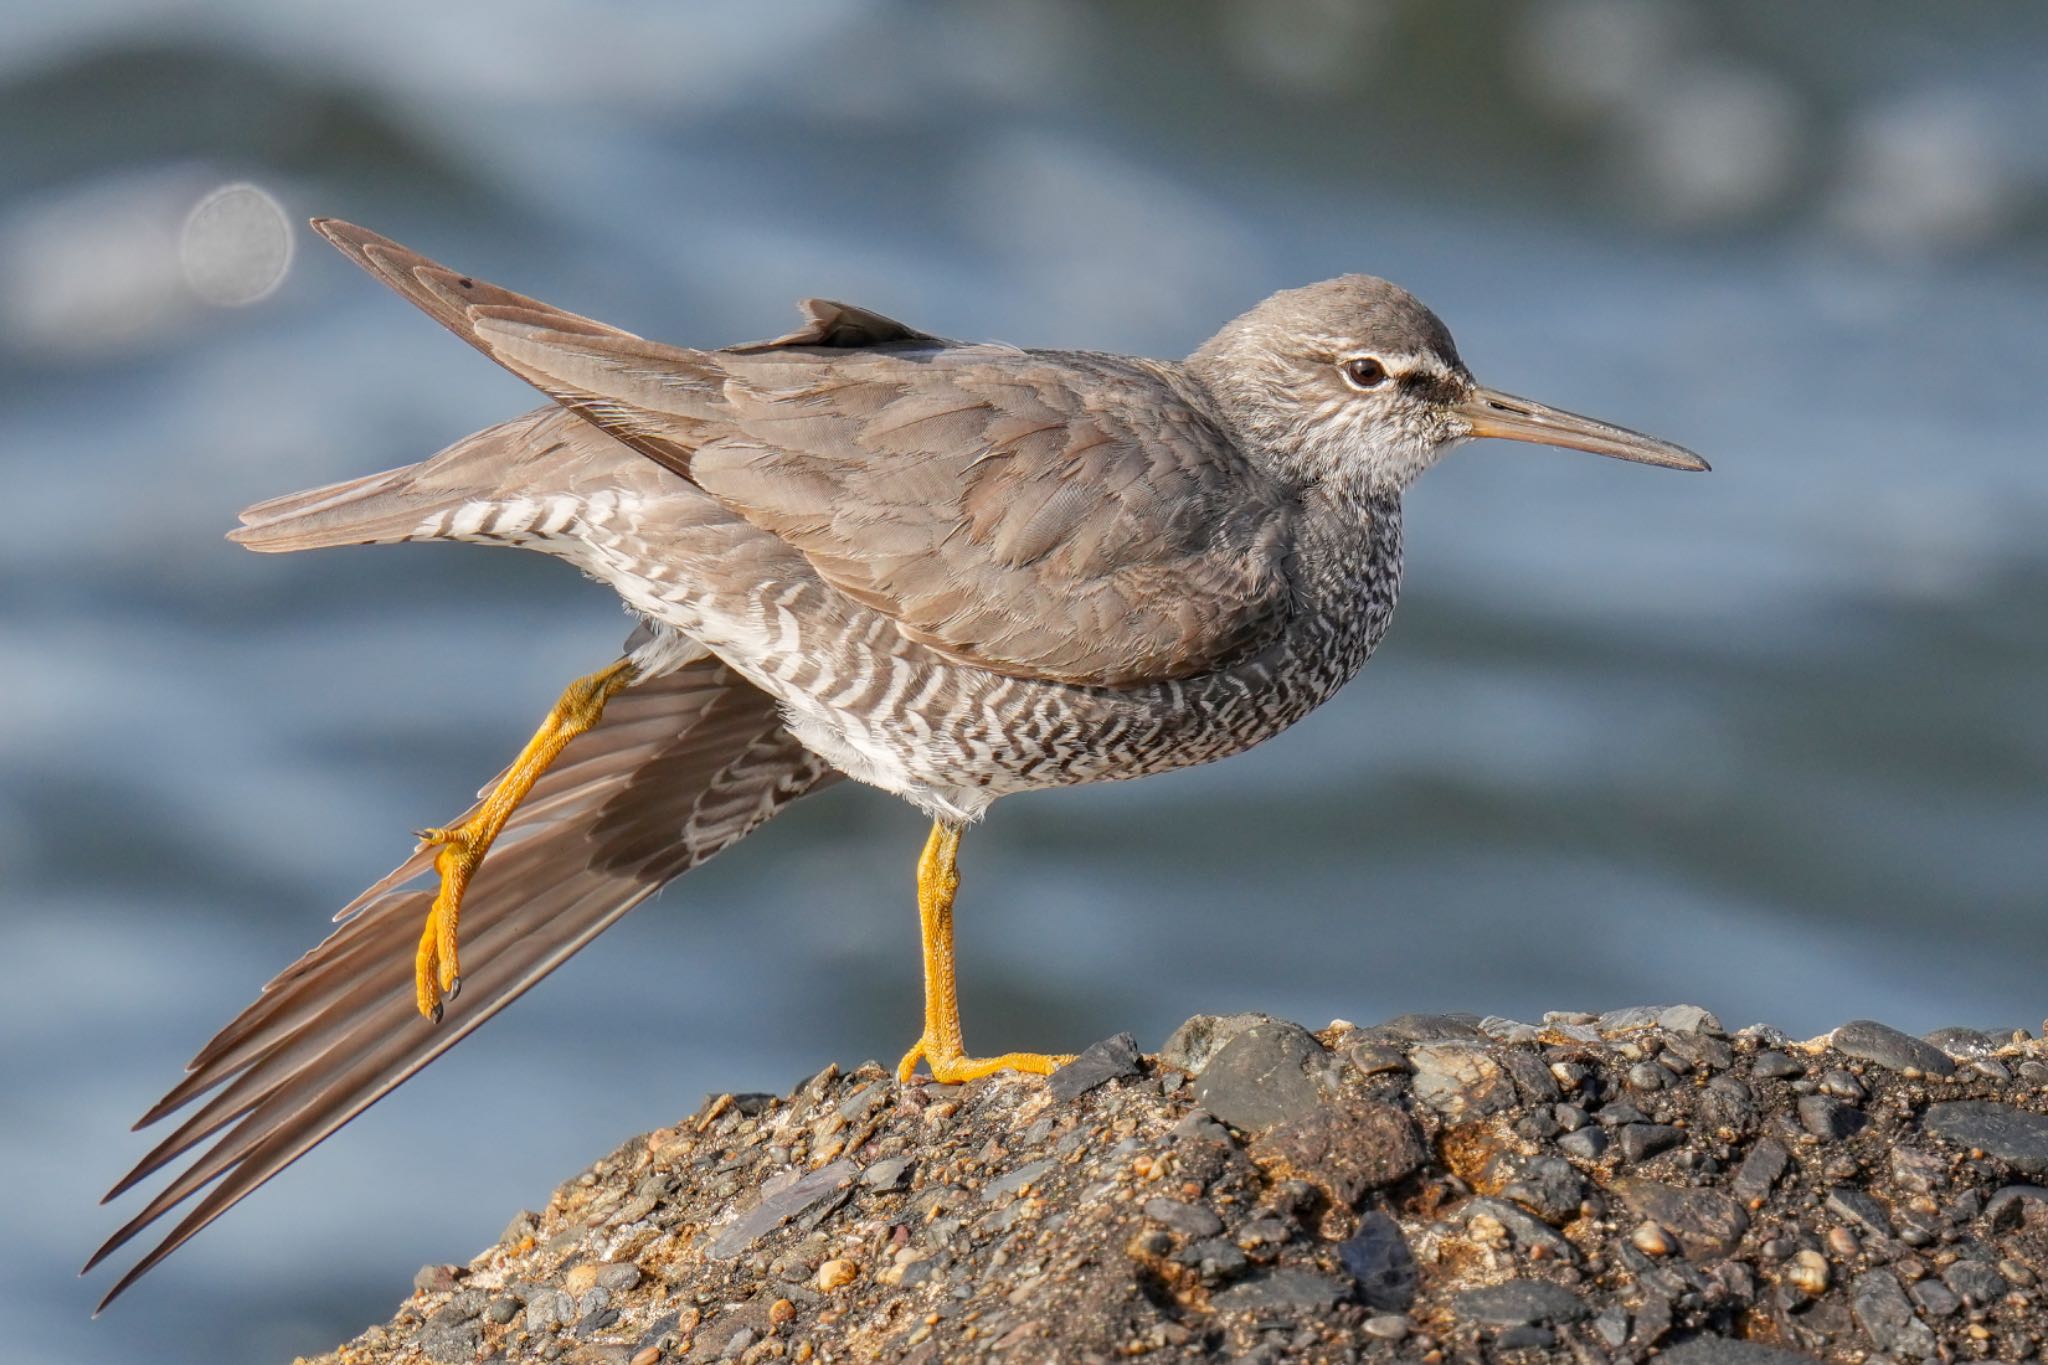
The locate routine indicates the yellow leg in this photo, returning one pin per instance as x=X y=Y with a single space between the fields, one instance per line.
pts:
x=437 y=972
x=941 y=1047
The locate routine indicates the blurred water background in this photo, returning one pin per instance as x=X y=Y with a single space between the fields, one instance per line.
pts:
x=1772 y=740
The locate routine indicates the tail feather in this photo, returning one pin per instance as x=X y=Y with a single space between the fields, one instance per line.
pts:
x=546 y=449
x=372 y=510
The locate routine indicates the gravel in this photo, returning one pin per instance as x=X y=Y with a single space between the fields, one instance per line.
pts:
x=1625 y=1186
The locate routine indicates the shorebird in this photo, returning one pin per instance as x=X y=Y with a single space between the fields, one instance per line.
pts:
x=952 y=571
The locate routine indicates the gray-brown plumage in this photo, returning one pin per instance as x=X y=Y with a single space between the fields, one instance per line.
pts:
x=954 y=571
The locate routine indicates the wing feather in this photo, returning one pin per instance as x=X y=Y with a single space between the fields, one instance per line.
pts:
x=681 y=767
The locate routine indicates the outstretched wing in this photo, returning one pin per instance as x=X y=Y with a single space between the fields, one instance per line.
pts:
x=1060 y=515
x=680 y=767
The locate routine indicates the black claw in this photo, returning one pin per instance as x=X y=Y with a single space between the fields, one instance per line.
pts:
x=454 y=988
x=437 y=1011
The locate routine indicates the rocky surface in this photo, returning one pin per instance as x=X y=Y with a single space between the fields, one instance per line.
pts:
x=1436 y=1188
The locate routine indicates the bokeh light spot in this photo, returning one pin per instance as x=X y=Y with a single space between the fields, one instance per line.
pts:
x=236 y=246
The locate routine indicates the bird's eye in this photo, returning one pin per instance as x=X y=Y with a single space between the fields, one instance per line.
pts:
x=1364 y=372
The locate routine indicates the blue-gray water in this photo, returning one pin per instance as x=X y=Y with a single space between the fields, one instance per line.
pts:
x=1773 y=740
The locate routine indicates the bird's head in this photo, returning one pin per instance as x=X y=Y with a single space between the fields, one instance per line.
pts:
x=1353 y=382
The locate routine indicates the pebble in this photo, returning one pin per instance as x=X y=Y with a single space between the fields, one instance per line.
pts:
x=436 y=1279
x=618 y=1277
x=779 y=1206
x=1460 y=1080
x=1532 y=1077
x=1882 y=1310
x=1760 y=1169
x=1548 y=1187
x=1977 y=1282
x=1773 y=1065
x=1861 y=1208
x=1649 y=1239
x=1112 y=1059
x=1291 y=1290
x=1434 y=1028
x=1933 y=1298
x=501 y=1310
x=2003 y=1209
x=1808 y=1272
x=1641 y=1141
x=1611 y=1326
x=1649 y=1076
x=1828 y=1118
x=1189 y=1220
x=1027 y=1174
x=1190 y=1047
x=1388 y=1326
x=549 y=1308
x=836 y=1273
x=1586 y=1144
x=1964 y=1043
x=1373 y=1057
x=1527 y=1232
x=2014 y=1136
x=1267 y=1074
x=1704 y=1222
x=1378 y=1258
x=891 y=1172
x=1214 y=1259
x=1870 y=1041
x=1843 y=1085
x=1514 y=1303
x=1675 y=1018
x=1709 y=1349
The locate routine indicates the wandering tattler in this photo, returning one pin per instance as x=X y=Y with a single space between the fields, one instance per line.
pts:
x=951 y=571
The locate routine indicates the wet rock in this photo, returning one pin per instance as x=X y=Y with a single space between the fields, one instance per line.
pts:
x=1378 y=1258
x=1828 y=1118
x=1111 y=1059
x=1514 y=1303
x=2014 y=1136
x=1705 y=1222
x=1349 y=1150
x=1774 y=1065
x=1886 y=1316
x=1190 y=1047
x=1213 y=1259
x=1460 y=1080
x=1270 y=1073
x=1871 y=1041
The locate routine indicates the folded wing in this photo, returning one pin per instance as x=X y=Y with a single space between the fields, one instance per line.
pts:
x=1066 y=516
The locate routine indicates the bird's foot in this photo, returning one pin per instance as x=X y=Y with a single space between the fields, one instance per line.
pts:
x=951 y=1066
x=437 y=969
